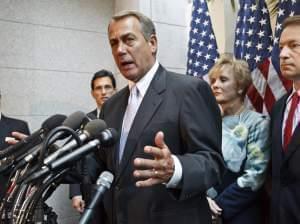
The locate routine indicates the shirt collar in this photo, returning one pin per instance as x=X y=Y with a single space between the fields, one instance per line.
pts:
x=98 y=111
x=292 y=93
x=144 y=83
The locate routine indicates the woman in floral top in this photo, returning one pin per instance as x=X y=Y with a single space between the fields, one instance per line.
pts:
x=245 y=146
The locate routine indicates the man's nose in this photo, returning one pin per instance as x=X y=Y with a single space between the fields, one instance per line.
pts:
x=103 y=90
x=121 y=48
x=284 y=52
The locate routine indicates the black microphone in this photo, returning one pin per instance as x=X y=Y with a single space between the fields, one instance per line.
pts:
x=35 y=138
x=102 y=185
x=91 y=130
x=106 y=138
x=73 y=121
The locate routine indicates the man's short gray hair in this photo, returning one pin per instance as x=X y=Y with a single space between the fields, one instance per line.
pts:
x=147 y=26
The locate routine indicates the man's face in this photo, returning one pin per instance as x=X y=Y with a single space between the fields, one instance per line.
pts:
x=289 y=45
x=103 y=89
x=133 y=54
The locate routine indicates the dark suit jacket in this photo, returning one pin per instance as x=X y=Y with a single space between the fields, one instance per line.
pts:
x=7 y=126
x=91 y=168
x=285 y=170
x=92 y=114
x=184 y=108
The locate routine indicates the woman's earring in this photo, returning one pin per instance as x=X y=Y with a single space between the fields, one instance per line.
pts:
x=240 y=92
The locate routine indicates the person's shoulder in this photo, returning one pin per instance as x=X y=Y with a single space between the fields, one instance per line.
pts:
x=184 y=80
x=280 y=102
x=13 y=120
x=255 y=118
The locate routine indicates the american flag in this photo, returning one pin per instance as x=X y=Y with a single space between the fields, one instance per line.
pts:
x=253 y=43
x=202 y=50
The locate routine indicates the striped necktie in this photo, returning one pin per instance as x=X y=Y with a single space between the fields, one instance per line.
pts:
x=288 y=130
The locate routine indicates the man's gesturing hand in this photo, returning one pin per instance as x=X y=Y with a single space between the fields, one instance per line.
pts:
x=158 y=170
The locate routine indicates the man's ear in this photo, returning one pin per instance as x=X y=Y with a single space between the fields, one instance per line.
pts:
x=153 y=43
x=92 y=94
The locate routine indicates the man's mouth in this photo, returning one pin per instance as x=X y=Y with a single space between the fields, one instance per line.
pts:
x=285 y=66
x=127 y=64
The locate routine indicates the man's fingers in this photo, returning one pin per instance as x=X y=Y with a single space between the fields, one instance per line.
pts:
x=18 y=135
x=159 y=140
x=154 y=151
x=146 y=163
x=11 y=141
x=145 y=174
x=148 y=183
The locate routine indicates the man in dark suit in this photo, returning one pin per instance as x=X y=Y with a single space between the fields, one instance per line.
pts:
x=169 y=153
x=7 y=127
x=286 y=131
x=103 y=86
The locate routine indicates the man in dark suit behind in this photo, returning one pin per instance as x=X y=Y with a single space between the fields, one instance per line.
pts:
x=7 y=127
x=103 y=86
x=170 y=154
x=285 y=120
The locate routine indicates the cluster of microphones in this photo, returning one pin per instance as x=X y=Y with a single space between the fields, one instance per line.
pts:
x=38 y=164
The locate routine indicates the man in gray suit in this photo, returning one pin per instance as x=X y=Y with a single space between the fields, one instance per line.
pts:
x=170 y=135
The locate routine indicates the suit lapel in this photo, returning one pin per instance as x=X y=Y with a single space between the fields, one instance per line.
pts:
x=151 y=102
x=279 y=123
x=94 y=112
x=294 y=144
x=277 y=150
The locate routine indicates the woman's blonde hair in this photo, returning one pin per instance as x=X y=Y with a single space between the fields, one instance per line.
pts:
x=239 y=69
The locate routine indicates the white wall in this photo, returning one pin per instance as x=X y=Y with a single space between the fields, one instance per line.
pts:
x=49 y=51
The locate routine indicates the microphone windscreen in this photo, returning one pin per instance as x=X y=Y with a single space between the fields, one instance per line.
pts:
x=74 y=120
x=53 y=122
x=106 y=178
x=94 y=127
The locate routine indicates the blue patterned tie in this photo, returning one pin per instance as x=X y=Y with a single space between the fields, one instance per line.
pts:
x=132 y=107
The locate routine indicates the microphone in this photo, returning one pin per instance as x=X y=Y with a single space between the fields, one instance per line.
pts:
x=91 y=130
x=73 y=121
x=106 y=138
x=35 y=138
x=102 y=185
